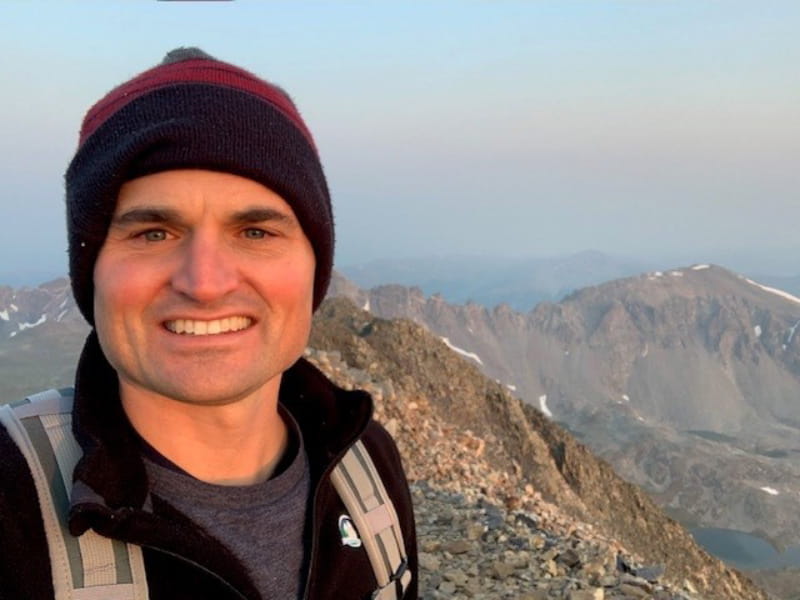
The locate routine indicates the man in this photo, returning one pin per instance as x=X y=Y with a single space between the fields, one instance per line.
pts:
x=200 y=242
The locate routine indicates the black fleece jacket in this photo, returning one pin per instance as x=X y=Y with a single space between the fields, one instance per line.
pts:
x=110 y=494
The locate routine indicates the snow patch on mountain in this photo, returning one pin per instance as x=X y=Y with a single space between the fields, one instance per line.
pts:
x=791 y=332
x=770 y=491
x=24 y=326
x=757 y=330
x=775 y=291
x=700 y=267
x=543 y=406
x=462 y=352
x=4 y=315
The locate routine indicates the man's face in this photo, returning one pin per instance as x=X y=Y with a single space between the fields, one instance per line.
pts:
x=203 y=287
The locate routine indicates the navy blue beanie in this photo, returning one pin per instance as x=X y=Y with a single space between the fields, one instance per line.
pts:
x=192 y=111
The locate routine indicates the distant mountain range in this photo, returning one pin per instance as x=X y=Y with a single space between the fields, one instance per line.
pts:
x=519 y=282
x=41 y=334
x=687 y=381
x=522 y=283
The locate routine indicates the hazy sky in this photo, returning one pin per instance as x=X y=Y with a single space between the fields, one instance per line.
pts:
x=640 y=128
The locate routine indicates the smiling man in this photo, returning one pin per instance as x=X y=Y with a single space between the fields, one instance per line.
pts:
x=201 y=456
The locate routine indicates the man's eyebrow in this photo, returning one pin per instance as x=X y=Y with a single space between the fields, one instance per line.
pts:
x=147 y=214
x=155 y=214
x=259 y=215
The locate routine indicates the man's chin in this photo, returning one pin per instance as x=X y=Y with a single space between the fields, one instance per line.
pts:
x=212 y=395
x=201 y=389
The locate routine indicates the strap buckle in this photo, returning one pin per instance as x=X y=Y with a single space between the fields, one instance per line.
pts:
x=398 y=583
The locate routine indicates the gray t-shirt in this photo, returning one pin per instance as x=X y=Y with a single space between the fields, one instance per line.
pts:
x=262 y=524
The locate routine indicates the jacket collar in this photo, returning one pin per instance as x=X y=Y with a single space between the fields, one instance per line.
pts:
x=111 y=474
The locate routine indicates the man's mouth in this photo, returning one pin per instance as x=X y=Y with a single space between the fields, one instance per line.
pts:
x=214 y=327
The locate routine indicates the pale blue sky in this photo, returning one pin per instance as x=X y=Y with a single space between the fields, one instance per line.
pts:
x=640 y=128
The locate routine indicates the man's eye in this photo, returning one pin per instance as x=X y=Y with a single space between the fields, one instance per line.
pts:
x=255 y=234
x=155 y=235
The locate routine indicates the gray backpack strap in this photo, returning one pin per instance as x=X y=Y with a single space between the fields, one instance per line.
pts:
x=88 y=567
x=363 y=493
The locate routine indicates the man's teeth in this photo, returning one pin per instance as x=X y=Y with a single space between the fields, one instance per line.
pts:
x=192 y=327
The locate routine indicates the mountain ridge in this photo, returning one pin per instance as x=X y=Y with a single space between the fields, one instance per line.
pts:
x=623 y=361
x=487 y=280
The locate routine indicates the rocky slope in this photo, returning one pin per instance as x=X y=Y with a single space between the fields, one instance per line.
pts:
x=520 y=490
x=687 y=381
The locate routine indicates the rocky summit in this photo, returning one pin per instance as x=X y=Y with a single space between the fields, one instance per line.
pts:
x=508 y=504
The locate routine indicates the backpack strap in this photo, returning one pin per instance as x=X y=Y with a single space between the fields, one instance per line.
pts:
x=360 y=487
x=88 y=567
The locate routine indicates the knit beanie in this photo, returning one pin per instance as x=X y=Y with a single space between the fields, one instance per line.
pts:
x=192 y=111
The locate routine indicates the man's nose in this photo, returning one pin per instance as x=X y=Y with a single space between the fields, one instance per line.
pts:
x=206 y=271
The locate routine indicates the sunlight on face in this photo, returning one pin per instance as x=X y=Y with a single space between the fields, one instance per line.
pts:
x=203 y=287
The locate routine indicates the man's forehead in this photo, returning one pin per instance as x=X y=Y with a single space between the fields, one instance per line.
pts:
x=169 y=193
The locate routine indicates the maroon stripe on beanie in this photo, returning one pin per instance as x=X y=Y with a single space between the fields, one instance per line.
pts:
x=187 y=72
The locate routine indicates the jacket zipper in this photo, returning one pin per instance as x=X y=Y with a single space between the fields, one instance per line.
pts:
x=314 y=531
